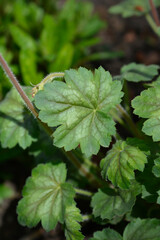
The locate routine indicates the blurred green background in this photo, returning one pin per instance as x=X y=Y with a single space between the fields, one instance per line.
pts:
x=38 y=37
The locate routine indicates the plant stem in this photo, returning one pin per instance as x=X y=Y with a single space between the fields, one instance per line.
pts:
x=91 y=177
x=154 y=12
x=23 y=95
x=16 y=84
x=152 y=24
x=126 y=96
x=83 y=169
x=48 y=78
x=131 y=124
x=83 y=192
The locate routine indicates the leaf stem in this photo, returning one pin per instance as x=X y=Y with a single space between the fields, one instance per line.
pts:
x=152 y=23
x=48 y=78
x=16 y=84
x=83 y=169
x=83 y=192
x=23 y=95
x=126 y=96
x=133 y=128
x=154 y=12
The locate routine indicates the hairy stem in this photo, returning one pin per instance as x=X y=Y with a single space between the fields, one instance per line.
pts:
x=16 y=84
x=133 y=128
x=23 y=95
x=154 y=12
x=83 y=192
x=48 y=78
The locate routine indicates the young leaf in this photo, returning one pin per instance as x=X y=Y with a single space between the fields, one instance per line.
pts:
x=147 y=106
x=121 y=161
x=139 y=72
x=72 y=227
x=106 y=234
x=146 y=229
x=128 y=8
x=17 y=124
x=22 y=39
x=110 y=203
x=81 y=108
x=46 y=197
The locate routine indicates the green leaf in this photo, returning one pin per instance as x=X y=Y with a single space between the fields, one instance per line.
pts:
x=145 y=146
x=156 y=172
x=109 y=203
x=128 y=8
x=156 y=167
x=150 y=184
x=66 y=52
x=147 y=106
x=28 y=64
x=17 y=124
x=106 y=234
x=139 y=72
x=21 y=38
x=72 y=227
x=48 y=37
x=121 y=161
x=46 y=197
x=146 y=229
x=81 y=107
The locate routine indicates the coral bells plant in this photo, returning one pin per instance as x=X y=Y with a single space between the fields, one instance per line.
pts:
x=115 y=172
x=97 y=153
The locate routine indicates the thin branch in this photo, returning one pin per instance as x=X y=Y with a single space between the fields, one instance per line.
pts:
x=23 y=95
x=133 y=128
x=154 y=13
x=83 y=169
x=16 y=84
x=83 y=192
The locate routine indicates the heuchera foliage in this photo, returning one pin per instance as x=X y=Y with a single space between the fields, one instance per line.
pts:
x=98 y=145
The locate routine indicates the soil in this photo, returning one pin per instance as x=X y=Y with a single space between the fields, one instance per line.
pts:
x=134 y=37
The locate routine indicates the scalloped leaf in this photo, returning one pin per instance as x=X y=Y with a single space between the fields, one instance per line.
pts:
x=17 y=124
x=128 y=8
x=147 y=106
x=121 y=161
x=72 y=226
x=139 y=72
x=106 y=234
x=80 y=108
x=46 y=197
x=109 y=203
x=146 y=229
